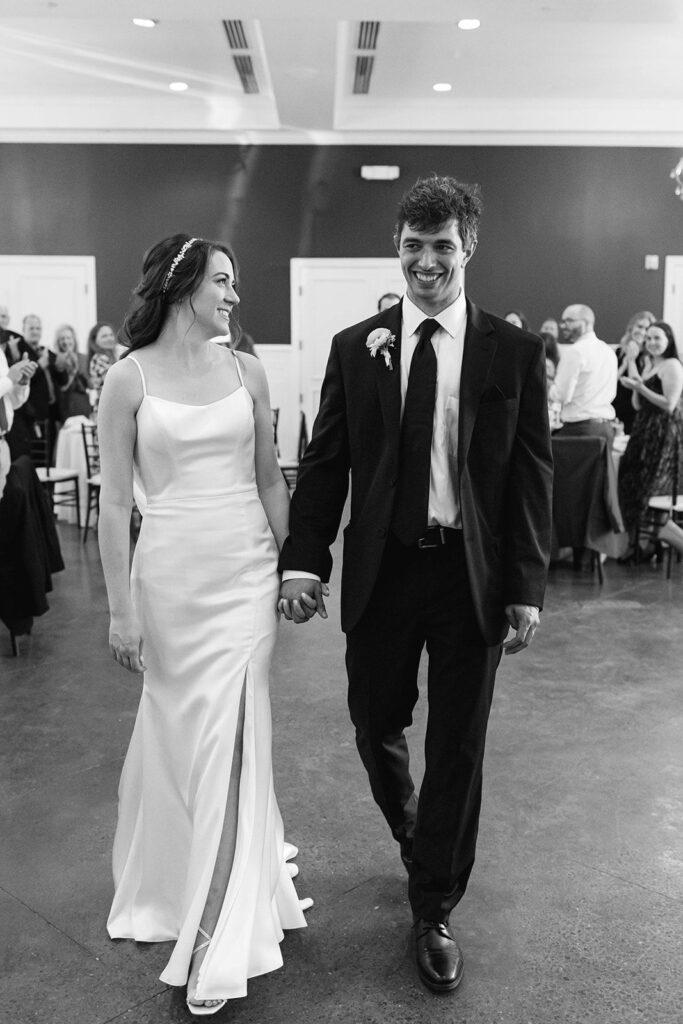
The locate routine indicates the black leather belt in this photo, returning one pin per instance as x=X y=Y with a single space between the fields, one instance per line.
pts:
x=438 y=537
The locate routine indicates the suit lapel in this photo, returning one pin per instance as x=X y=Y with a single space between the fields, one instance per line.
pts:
x=389 y=380
x=480 y=348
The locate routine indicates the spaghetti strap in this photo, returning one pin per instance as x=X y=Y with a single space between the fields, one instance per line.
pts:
x=239 y=368
x=142 y=376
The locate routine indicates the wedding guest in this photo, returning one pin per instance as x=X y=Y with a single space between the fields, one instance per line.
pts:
x=10 y=335
x=517 y=318
x=101 y=355
x=632 y=359
x=653 y=461
x=552 y=358
x=387 y=300
x=14 y=391
x=586 y=377
x=12 y=345
x=42 y=404
x=552 y=354
x=73 y=392
x=550 y=326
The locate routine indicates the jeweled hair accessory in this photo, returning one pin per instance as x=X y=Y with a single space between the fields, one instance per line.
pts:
x=176 y=260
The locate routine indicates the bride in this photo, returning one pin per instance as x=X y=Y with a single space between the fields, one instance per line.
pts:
x=199 y=853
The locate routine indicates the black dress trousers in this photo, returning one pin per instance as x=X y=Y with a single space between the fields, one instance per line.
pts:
x=422 y=598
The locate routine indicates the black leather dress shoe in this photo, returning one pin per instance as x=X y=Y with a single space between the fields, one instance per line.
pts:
x=439 y=958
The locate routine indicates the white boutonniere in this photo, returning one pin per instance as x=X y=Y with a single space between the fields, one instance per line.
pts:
x=381 y=340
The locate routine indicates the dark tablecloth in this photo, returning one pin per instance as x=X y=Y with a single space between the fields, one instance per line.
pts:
x=585 y=500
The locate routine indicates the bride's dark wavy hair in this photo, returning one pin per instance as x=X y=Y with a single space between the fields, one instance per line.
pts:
x=152 y=301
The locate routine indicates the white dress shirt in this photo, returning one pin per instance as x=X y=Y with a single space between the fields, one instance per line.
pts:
x=12 y=396
x=586 y=380
x=449 y=345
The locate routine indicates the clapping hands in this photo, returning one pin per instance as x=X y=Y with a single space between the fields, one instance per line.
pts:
x=21 y=372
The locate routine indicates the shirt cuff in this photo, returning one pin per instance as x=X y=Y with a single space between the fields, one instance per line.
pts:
x=19 y=395
x=291 y=574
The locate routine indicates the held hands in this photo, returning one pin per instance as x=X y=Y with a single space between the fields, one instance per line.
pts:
x=300 y=599
x=125 y=644
x=524 y=618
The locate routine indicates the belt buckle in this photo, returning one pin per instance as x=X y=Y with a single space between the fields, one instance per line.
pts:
x=424 y=542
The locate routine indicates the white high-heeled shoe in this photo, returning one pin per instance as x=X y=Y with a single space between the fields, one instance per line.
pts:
x=201 y=1009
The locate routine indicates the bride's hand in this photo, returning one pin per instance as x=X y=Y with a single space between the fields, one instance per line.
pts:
x=300 y=599
x=125 y=644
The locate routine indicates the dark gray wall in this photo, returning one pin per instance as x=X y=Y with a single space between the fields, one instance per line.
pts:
x=560 y=224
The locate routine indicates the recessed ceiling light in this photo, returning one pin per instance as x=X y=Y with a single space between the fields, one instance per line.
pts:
x=468 y=24
x=145 y=22
x=442 y=87
x=178 y=86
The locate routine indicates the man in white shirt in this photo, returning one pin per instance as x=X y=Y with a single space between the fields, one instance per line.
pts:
x=585 y=382
x=14 y=390
x=438 y=411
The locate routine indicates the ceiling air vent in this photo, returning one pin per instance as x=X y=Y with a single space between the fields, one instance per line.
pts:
x=365 y=61
x=236 y=35
x=237 y=40
x=367 y=35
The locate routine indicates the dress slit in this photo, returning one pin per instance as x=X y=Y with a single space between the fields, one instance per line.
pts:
x=227 y=846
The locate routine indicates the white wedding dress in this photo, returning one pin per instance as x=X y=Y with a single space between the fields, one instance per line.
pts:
x=205 y=588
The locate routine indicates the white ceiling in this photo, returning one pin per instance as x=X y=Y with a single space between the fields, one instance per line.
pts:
x=575 y=72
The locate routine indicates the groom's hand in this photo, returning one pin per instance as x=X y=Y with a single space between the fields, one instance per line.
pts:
x=524 y=619
x=300 y=599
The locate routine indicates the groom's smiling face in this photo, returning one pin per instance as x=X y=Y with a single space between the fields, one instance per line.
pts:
x=433 y=263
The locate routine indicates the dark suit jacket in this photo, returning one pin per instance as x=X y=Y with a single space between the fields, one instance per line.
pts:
x=504 y=464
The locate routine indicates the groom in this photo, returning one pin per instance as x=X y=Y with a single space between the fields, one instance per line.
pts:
x=439 y=412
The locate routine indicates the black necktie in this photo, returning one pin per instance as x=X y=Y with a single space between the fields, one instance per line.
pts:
x=415 y=448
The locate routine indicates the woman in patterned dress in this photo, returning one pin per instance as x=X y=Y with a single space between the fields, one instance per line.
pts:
x=653 y=460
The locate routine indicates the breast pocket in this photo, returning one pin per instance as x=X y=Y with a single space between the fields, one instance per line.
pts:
x=502 y=408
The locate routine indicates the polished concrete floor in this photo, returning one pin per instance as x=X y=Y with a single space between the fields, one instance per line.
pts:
x=574 y=913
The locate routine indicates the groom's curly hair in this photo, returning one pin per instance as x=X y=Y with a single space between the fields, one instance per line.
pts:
x=433 y=201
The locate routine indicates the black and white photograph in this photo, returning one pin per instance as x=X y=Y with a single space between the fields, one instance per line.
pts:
x=341 y=512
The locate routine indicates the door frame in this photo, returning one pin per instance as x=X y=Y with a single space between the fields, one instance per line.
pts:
x=673 y=269
x=86 y=266
x=298 y=267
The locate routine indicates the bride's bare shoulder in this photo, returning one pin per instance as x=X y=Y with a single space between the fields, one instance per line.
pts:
x=123 y=381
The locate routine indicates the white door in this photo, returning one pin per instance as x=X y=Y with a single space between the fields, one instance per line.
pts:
x=58 y=289
x=673 y=297
x=328 y=295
